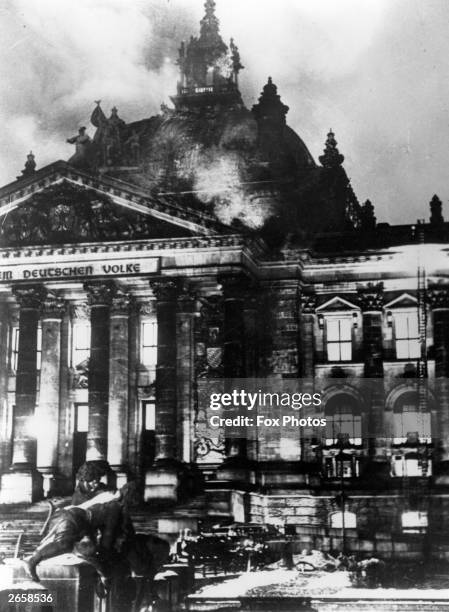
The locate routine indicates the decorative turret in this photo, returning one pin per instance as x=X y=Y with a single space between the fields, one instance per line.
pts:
x=436 y=216
x=270 y=108
x=208 y=67
x=367 y=216
x=30 y=166
x=331 y=157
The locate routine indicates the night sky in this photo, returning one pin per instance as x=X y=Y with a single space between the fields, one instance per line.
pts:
x=375 y=71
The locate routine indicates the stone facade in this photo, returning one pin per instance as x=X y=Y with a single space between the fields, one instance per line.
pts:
x=120 y=310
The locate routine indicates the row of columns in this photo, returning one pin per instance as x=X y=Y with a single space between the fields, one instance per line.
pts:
x=108 y=387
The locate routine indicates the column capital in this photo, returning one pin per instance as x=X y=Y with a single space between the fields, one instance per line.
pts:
x=166 y=289
x=307 y=303
x=53 y=306
x=371 y=296
x=29 y=296
x=235 y=284
x=80 y=311
x=100 y=293
x=122 y=303
x=438 y=296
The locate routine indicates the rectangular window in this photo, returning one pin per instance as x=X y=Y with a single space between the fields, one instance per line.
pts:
x=81 y=418
x=80 y=343
x=407 y=335
x=149 y=416
x=410 y=467
x=148 y=345
x=39 y=348
x=14 y=355
x=414 y=522
x=339 y=339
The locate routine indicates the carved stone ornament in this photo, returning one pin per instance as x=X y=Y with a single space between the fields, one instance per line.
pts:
x=53 y=306
x=66 y=213
x=121 y=303
x=147 y=309
x=438 y=296
x=80 y=311
x=371 y=297
x=100 y=293
x=165 y=289
x=308 y=303
x=30 y=296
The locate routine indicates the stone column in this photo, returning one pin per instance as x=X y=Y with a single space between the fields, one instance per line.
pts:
x=119 y=386
x=22 y=483
x=5 y=434
x=370 y=299
x=184 y=371
x=439 y=301
x=236 y=465
x=306 y=357
x=100 y=296
x=47 y=411
x=307 y=348
x=162 y=481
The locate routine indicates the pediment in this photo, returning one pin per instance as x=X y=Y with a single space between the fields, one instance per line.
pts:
x=67 y=207
x=403 y=301
x=337 y=304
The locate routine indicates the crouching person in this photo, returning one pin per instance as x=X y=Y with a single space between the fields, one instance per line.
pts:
x=74 y=529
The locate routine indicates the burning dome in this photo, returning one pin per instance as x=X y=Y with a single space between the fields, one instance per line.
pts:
x=210 y=151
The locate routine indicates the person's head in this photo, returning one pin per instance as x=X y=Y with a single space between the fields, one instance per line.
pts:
x=82 y=130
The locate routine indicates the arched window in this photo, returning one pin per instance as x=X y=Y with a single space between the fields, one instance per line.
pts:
x=343 y=420
x=410 y=423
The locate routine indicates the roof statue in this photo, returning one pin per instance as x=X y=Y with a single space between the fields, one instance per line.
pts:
x=82 y=142
x=30 y=166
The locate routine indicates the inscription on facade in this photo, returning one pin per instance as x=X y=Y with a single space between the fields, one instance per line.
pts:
x=75 y=270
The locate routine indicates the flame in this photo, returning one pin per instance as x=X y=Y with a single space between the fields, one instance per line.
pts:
x=218 y=180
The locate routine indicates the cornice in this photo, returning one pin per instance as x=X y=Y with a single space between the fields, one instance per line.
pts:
x=164 y=244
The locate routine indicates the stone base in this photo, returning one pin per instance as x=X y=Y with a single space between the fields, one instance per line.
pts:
x=70 y=582
x=235 y=473
x=161 y=484
x=20 y=487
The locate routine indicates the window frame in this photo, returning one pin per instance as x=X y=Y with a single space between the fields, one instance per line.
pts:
x=150 y=364
x=408 y=340
x=74 y=363
x=338 y=318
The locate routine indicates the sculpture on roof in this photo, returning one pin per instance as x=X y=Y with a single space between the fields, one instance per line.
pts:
x=82 y=144
x=30 y=166
x=108 y=138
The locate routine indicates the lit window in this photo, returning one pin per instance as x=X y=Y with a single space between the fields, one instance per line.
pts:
x=414 y=522
x=407 y=335
x=343 y=420
x=350 y=520
x=410 y=466
x=80 y=343
x=81 y=417
x=14 y=356
x=410 y=424
x=334 y=466
x=39 y=348
x=14 y=348
x=149 y=416
x=148 y=346
x=339 y=339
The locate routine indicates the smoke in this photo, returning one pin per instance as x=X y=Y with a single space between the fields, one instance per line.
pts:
x=220 y=182
x=374 y=71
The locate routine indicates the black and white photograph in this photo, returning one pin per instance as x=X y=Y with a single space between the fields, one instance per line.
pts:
x=224 y=305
